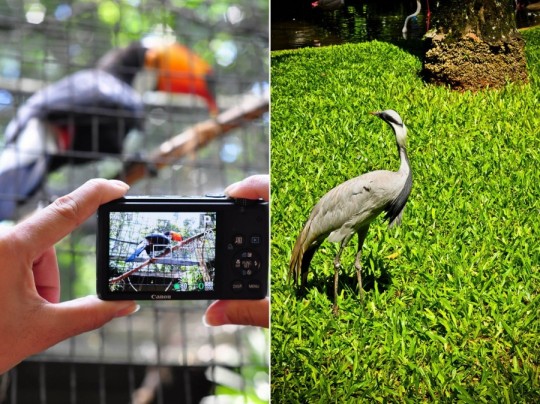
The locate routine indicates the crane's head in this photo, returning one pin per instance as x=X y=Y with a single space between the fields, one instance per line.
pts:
x=394 y=120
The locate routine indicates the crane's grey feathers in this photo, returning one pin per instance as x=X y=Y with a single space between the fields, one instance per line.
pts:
x=350 y=207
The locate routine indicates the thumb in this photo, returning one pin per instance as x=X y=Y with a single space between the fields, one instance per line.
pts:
x=241 y=312
x=77 y=316
x=254 y=187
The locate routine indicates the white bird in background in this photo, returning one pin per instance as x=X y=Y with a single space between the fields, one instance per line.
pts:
x=349 y=209
x=418 y=9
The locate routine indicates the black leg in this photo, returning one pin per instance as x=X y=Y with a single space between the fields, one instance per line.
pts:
x=358 y=266
x=337 y=266
x=303 y=281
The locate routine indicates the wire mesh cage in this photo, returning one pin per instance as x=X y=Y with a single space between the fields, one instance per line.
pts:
x=182 y=259
x=63 y=122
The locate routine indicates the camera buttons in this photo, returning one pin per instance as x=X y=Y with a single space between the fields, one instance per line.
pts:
x=216 y=196
x=237 y=286
x=238 y=240
x=247 y=261
x=254 y=285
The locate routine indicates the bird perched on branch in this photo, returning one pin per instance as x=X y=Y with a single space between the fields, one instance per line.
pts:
x=349 y=209
x=89 y=113
x=155 y=243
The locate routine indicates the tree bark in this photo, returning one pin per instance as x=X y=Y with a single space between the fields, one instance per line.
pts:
x=474 y=44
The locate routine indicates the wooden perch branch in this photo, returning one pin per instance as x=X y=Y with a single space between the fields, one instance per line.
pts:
x=196 y=137
x=150 y=260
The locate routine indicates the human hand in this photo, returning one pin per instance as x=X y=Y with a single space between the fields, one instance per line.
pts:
x=31 y=318
x=243 y=312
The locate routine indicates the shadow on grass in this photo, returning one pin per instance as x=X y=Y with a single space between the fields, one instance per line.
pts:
x=349 y=281
x=417 y=47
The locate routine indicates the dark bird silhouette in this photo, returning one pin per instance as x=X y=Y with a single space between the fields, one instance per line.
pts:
x=155 y=243
x=90 y=112
x=349 y=209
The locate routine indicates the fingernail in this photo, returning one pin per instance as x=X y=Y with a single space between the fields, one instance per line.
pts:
x=230 y=189
x=213 y=317
x=120 y=184
x=128 y=310
x=216 y=314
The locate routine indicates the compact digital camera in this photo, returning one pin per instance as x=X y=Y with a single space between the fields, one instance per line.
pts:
x=167 y=248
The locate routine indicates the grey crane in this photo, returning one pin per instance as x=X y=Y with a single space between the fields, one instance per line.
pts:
x=349 y=209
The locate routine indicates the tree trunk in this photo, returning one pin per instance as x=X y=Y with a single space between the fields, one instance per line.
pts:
x=474 y=44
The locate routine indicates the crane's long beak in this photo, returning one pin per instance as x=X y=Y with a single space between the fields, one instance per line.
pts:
x=179 y=70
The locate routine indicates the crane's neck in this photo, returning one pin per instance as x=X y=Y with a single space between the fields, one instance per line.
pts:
x=395 y=207
x=404 y=167
x=401 y=141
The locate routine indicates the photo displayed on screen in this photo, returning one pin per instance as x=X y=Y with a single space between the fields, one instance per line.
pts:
x=163 y=252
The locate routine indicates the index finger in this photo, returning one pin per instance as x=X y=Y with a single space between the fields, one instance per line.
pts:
x=49 y=225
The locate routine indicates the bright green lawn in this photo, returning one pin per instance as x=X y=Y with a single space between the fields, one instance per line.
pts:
x=455 y=315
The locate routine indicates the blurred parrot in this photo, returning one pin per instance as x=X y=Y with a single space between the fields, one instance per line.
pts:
x=155 y=243
x=89 y=113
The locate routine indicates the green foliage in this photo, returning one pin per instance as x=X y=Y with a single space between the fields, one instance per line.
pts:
x=250 y=383
x=77 y=260
x=91 y=28
x=453 y=295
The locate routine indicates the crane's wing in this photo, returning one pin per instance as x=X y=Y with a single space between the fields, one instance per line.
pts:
x=394 y=210
x=341 y=212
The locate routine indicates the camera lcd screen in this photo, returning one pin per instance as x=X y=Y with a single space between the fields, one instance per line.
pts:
x=161 y=252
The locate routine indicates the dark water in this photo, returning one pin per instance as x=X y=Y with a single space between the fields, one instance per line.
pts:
x=296 y=24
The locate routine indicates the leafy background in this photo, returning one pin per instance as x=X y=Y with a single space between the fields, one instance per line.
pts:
x=451 y=310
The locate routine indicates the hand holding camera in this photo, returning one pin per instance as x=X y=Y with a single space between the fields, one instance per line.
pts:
x=169 y=248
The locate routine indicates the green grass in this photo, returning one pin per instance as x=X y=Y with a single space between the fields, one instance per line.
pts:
x=451 y=312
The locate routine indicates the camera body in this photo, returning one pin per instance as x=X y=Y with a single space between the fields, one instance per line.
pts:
x=170 y=248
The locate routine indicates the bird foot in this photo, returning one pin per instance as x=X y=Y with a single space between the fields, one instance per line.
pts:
x=335 y=310
x=361 y=294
